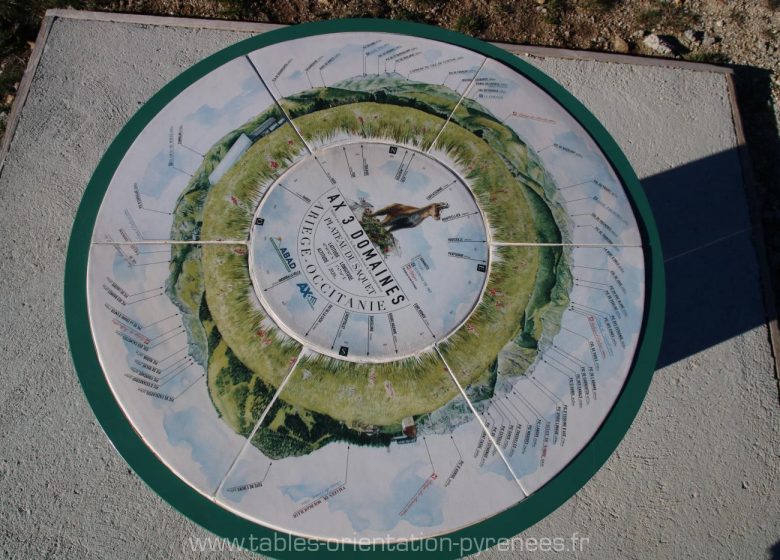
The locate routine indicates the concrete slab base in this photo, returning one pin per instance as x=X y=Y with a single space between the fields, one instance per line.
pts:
x=697 y=476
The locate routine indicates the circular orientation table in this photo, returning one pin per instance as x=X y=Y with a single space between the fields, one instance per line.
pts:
x=364 y=280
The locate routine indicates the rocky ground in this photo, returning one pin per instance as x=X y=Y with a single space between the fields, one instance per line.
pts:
x=742 y=33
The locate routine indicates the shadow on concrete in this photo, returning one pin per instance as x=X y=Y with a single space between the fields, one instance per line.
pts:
x=774 y=551
x=713 y=280
x=705 y=218
x=754 y=95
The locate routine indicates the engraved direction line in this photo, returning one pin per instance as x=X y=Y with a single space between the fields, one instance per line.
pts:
x=346 y=468
x=582 y=313
x=341 y=328
x=393 y=333
x=135 y=265
x=186 y=147
x=401 y=165
x=364 y=161
x=567 y=374
x=403 y=169
x=494 y=403
x=328 y=175
x=251 y=485
x=599 y=312
x=509 y=413
x=526 y=116
x=479 y=419
x=267 y=471
x=582 y=336
x=165 y=371
x=181 y=171
x=167 y=339
x=423 y=318
x=349 y=166
x=575 y=184
x=144 y=299
x=452 y=439
x=320 y=318
x=304 y=198
x=578 y=199
x=169 y=331
x=502 y=418
x=284 y=279
x=170 y=376
x=189 y=386
x=528 y=405
x=151 y=252
x=510 y=403
x=260 y=420
x=175 y=375
x=592 y=282
x=565 y=354
x=169 y=356
x=428 y=451
x=440 y=190
x=186 y=362
x=369 y=324
x=588 y=267
x=307 y=70
x=453 y=217
x=564 y=366
x=546 y=391
x=591 y=287
x=146 y=292
x=454 y=255
x=157 y=211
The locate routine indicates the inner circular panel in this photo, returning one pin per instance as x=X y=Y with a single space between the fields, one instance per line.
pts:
x=387 y=240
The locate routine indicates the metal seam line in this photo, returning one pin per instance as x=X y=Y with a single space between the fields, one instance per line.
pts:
x=279 y=104
x=479 y=419
x=463 y=95
x=260 y=420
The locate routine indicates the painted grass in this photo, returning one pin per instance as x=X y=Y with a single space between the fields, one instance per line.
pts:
x=231 y=203
x=337 y=400
x=372 y=120
x=501 y=316
x=499 y=193
x=264 y=352
x=380 y=395
x=372 y=394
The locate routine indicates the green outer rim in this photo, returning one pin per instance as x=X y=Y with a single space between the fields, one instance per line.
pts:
x=229 y=525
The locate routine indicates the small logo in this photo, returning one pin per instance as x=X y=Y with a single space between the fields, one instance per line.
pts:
x=284 y=255
x=393 y=149
x=343 y=351
x=307 y=294
x=481 y=268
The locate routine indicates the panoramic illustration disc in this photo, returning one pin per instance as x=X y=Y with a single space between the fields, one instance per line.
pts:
x=368 y=281
x=360 y=264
